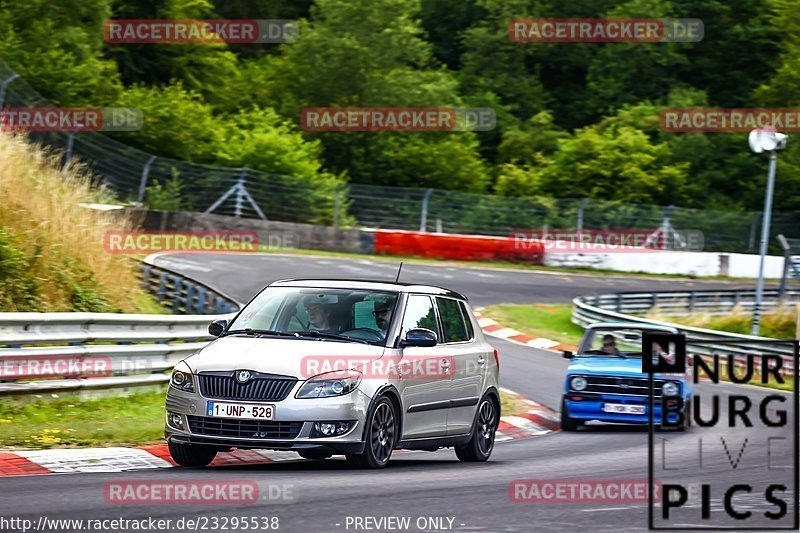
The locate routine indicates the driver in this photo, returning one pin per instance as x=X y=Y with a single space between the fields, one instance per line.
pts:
x=610 y=345
x=320 y=314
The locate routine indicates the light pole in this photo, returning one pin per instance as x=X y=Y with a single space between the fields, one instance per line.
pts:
x=771 y=141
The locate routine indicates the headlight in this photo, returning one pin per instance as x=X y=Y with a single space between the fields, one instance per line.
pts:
x=670 y=388
x=578 y=383
x=182 y=377
x=331 y=384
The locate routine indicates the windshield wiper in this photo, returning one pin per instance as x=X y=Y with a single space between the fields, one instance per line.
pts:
x=320 y=335
x=257 y=332
x=601 y=352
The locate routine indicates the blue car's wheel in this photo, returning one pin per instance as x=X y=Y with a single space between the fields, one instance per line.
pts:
x=567 y=422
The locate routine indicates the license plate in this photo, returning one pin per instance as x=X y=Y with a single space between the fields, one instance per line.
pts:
x=247 y=411
x=625 y=409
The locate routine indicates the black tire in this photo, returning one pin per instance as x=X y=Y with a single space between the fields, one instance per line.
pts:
x=314 y=455
x=380 y=436
x=193 y=455
x=567 y=422
x=484 y=428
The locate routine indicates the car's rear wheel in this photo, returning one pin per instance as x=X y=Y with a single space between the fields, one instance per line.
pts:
x=315 y=456
x=481 y=443
x=380 y=436
x=567 y=422
x=193 y=455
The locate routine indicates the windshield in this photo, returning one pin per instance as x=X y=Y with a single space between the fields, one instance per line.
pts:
x=612 y=342
x=357 y=315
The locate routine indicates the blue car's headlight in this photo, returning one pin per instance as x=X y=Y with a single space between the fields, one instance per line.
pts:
x=578 y=383
x=670 y=388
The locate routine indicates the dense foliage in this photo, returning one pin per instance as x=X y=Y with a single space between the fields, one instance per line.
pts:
x=573 y=120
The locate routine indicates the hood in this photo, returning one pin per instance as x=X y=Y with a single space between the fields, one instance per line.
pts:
x=612 y=366
x=279 y=355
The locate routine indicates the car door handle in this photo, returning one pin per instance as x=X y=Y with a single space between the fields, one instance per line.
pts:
x=445 y=363
x=481 y=360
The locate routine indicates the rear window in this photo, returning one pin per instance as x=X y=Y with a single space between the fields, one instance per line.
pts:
x=455 y=330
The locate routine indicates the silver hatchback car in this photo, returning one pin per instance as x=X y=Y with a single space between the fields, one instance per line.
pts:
x=325 y=367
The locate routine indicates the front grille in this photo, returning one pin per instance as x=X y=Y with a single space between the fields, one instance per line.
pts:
x=264 y=387
x=622 y=385
x=243 y=429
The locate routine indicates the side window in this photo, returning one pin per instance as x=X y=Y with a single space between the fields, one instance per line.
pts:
x=455 y=330
x=420 y=314
x=467 y=319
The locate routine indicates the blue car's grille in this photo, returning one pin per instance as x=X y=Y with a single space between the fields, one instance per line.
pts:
x=622 y=385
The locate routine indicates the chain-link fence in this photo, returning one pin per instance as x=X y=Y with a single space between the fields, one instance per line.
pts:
x=242 y=192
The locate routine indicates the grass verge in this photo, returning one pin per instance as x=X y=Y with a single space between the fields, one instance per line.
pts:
x=71 y=421
x=540 y=320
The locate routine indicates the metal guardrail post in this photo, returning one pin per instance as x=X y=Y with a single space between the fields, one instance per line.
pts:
x=692 y=298
x=143 y=180
x=423 y=218
x=581 y=206
x=4 y=86
x=68 y=151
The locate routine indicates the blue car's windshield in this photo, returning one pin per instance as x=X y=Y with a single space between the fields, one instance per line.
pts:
x=612 y=342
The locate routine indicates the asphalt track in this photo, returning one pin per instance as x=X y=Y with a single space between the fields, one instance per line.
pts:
x=423 y=484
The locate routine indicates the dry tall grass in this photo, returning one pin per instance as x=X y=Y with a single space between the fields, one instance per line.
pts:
x=777 y=323
x=58 y=243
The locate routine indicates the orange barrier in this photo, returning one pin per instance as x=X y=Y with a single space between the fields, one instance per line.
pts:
x=453 y=246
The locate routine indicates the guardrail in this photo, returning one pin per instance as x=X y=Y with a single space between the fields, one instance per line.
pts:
x=134 y=349
x=624 y=307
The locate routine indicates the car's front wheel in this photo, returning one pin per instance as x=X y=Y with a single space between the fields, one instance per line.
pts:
x=192 y=454
x=567 y=422
x=380 y=436
x=481 y=444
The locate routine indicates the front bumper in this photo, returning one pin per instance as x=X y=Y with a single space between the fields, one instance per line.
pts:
x=293 y=422
x=590 y=407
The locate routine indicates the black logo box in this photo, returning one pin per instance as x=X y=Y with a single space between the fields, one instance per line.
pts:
x=675 y=363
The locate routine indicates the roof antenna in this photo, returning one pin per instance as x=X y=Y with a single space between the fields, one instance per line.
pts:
x=398 y=272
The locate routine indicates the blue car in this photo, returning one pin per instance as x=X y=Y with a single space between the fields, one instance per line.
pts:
x=605 y=381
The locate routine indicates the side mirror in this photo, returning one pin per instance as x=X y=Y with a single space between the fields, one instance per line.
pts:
x=422 y=337
x=566 y=354
x=217 y=327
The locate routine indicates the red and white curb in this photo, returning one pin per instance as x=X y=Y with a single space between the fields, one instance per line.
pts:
x=538 y=420
x=495 y=329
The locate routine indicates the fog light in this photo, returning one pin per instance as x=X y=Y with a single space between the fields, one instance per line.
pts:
x=331 y=429
x=176 y=420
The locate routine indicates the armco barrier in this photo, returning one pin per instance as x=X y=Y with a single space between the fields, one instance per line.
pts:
x=615 y=308
x=138 y=349
x=452 y=246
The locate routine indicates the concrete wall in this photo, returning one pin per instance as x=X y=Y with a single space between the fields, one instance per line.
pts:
x=687 y=263
x=270 y=233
